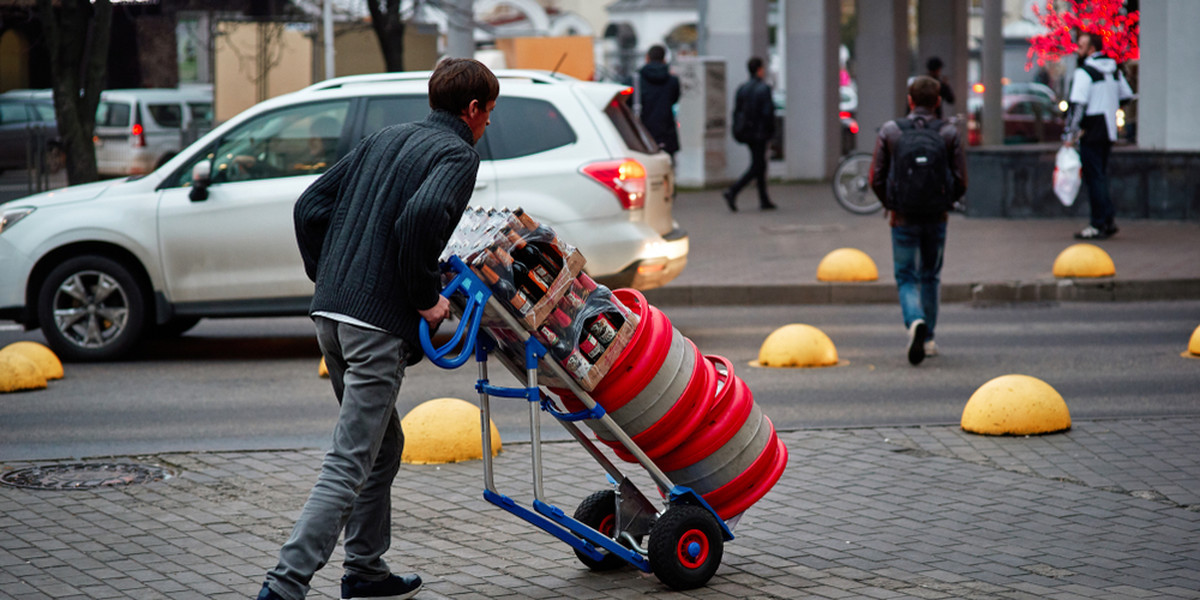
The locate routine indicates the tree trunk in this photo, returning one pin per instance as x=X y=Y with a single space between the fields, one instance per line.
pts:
x=77 y=36
x=390 y=31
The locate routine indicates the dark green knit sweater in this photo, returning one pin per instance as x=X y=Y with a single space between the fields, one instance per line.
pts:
x=371 y=228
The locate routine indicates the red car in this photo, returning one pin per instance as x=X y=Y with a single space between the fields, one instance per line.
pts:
x=1028 y=119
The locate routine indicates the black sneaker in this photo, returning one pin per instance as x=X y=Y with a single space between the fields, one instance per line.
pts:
x=767 y=205
x=917 y=332
x=1111 y=230
x=267 y=594
x=730 y=200
x=1091 y=233
x=394 y=587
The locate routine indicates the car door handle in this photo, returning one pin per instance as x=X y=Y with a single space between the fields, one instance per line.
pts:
x=479 y=185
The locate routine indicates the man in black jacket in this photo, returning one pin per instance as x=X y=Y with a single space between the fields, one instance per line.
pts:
x=919 y=228
x=753 y=125
x=658 y=91
x=370 y=231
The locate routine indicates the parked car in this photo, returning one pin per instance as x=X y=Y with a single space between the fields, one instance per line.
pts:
x=28 y=125
x=1028 y=119
x=139 y=129
x=210 y=234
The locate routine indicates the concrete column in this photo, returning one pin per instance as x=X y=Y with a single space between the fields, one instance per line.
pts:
x=992 y=61
x=1168 y=91
x=881 y=66
x=736 y=31
x=460 y=29
x=809 y=40
x=942 y=32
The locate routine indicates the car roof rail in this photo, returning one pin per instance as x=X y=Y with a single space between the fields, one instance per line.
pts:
x=534 y=75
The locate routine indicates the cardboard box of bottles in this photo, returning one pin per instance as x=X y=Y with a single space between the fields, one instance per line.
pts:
x=511 y=353
x=526 y=265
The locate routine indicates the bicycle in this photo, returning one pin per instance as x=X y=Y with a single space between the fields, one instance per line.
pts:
x=851 y=184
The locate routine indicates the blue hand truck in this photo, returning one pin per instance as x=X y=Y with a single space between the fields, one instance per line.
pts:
x=682 y=545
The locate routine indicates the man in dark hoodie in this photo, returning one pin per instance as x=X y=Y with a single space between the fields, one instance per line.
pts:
x=658 y=91
x=1097 y=90
x=370 y=231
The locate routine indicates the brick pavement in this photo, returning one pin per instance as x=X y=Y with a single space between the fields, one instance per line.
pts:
x=1106 y=510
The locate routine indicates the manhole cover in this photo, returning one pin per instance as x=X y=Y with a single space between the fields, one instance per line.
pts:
x=83 y=475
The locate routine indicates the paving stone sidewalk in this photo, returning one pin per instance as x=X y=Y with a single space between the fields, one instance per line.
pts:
x=1110 y=509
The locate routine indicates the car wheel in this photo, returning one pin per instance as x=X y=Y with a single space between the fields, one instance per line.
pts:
x=91 y=308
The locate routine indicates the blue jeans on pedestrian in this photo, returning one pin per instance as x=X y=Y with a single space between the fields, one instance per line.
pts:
x=1094 y=159
x=354 y=489
x=917 y=256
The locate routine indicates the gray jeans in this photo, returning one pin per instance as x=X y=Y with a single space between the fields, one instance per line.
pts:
x=353 y=491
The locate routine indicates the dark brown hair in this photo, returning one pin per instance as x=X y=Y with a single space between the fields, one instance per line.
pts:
x=455 y=82
x=924 y=91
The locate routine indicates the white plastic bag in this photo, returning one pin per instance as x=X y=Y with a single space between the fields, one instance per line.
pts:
x=1067 y=177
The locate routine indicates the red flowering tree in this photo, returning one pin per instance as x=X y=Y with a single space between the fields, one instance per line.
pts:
x=1106 y=18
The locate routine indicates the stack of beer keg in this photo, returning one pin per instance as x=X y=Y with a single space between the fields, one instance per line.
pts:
x=690 y=413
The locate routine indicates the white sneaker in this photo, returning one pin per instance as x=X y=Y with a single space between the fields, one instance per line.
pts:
x=917 y=332
x=930 y=349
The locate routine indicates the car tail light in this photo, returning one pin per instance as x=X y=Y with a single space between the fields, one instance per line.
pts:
x=625 y=178
x=627 y=91
x=853 y=126
x=137 y=139
x=845 y=114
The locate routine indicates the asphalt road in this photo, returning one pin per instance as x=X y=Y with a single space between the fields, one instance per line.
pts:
x=252 y=383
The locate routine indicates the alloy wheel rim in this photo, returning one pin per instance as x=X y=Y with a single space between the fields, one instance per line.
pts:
x=90 y=309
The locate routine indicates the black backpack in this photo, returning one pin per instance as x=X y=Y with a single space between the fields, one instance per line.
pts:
x=921 y=184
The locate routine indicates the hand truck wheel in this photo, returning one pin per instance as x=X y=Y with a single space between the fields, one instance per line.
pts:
x=686 y=545
x=599 y=511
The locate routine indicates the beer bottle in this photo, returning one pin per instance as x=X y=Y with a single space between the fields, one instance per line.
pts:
x=515 y=297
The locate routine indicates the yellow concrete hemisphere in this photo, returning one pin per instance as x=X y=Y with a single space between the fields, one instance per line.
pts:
x=1194 y=343
x=847 y=264
x=1015 y=405
x=797 y=345
x=444 y=430
x=19 y=373
x=322 y=370
x=45 y=358
x=1084 y=260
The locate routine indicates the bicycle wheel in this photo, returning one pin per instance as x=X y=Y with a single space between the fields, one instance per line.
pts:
x=851 y=184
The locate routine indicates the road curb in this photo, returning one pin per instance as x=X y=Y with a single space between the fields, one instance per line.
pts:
x=1060 y=290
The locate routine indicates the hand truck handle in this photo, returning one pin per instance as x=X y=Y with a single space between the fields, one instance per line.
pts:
x=477 y=296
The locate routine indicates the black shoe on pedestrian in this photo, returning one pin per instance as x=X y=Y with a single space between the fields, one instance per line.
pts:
x=1111 y=230
x=1091 y=233
x=395 y=587
x=917 y=332
x=767 y=205
x=267 y=594
x=730 y=200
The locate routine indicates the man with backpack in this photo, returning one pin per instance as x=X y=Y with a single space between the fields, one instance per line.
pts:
x=753 y=125
x=919 y=170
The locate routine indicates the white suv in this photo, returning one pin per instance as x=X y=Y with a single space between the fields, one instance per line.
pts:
x=210 y=234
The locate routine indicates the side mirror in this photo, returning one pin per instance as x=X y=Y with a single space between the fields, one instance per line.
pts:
x=201 y=178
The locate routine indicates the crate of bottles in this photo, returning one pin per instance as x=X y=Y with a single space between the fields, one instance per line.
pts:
x=539 y=279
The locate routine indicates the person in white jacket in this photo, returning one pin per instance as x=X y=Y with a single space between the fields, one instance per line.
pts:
x=1098 y=89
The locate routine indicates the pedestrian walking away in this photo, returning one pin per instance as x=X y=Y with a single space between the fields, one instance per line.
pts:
x=753 y=125
x=658 y=91
x=934 y=67
x=370 y=231
x=918 y=171
x=1098 y=88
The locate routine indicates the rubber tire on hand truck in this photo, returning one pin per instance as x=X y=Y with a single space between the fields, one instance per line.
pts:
x=686 y=546
x=599 y=511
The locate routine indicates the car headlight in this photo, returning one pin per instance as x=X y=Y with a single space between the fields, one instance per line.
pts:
x=10 y=216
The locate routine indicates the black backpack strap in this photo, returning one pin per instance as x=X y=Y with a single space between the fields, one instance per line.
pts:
x=1093 y=72
x=904 y=124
